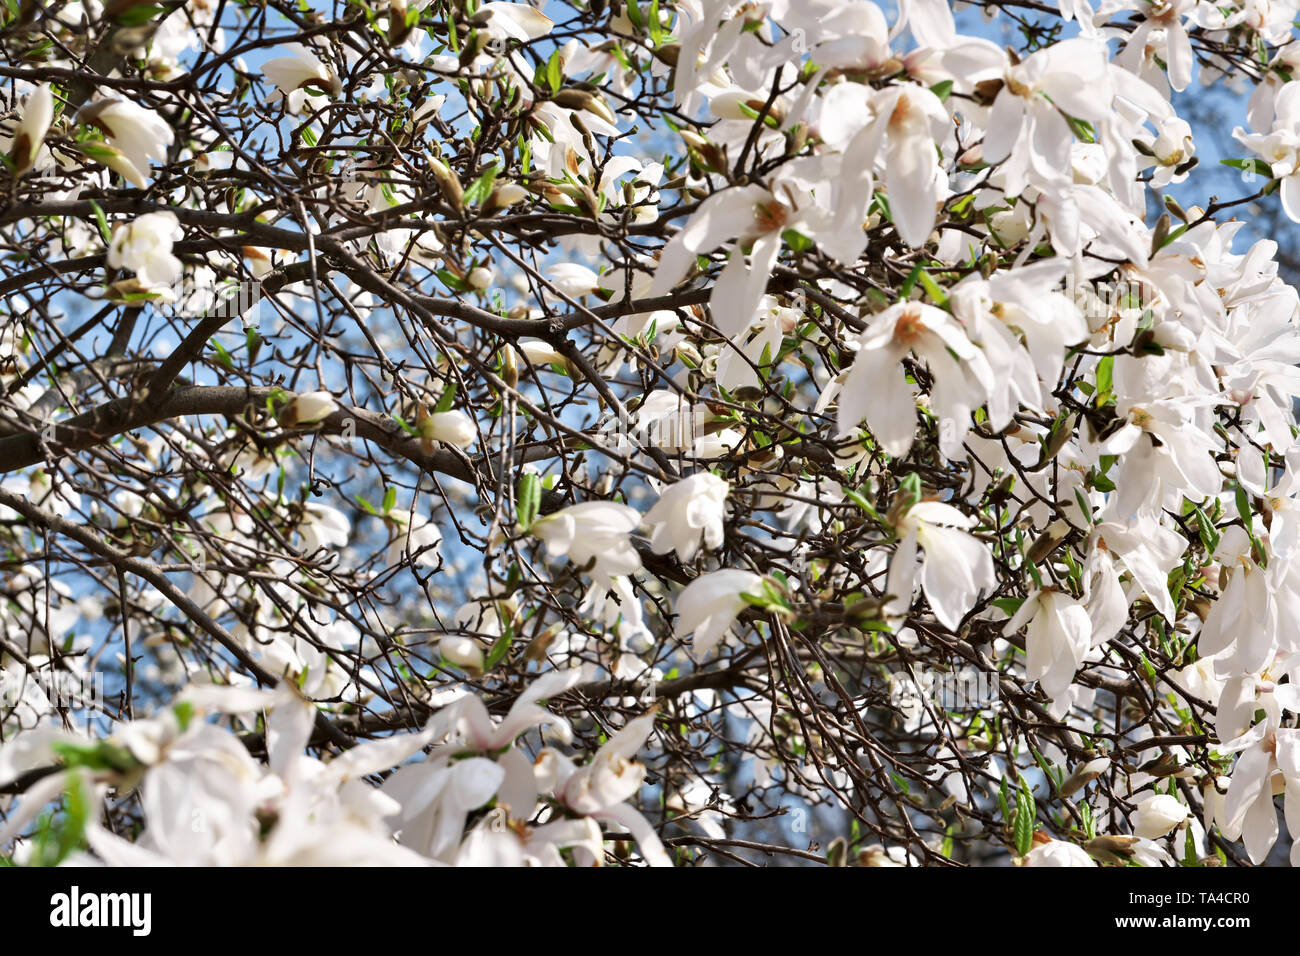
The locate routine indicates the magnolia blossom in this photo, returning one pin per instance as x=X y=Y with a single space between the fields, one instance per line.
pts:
x=955 y=569
x=1028 y=131
x=1269 y=764
x=599 y=789
x=914 y=178
x=1058 y=638
x=709 y=605
x=299 y=75
x=1058 y=853
x=877 y=390
x=416 y=539
x=1165 y=17
x=309 y=408
x=595 y=535
x=1244 y=618
x=1157 y=815
x=453 y=427
x=757 y=217
x=572 y=280
x=29 y=133
x=689 y=514
x=462 y=651
x=956 y=566
x=1280 y=147
x=145 y=245
x=135 y=135
x=516 y=21
x=323 y=527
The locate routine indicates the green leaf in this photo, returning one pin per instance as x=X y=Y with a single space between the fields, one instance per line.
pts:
x=100 y=755
x=500 y=648
x=1008 y=605
x=446 y=399
x=942 y=89
x=635 y=15
x=936 y=294
x=481 y=188
x=555 y=72
x=1256 y=166
x=1025 y=811
x=222 y=355
x=905 y=290
x=184 y=711
x=528 y=499
x=909 y=487
x=1243 y=509
x=1209 y=533
x=1105 y=378
x=860 y=500
x=102 y=221
x=796 y=240
x=452 y=281
x=1082 y=501
x=139 y=16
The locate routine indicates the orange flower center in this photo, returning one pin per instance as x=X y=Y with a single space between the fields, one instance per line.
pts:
x=909 y=327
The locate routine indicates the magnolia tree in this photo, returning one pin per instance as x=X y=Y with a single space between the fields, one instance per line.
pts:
x=644 y=432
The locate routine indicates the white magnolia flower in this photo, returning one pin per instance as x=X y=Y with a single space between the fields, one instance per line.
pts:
x=1058 y=853
x=540 y=354
x=453 y=427
x=877 y=389
x=1163 y=18
x=29 y=133
x=299 y=75
x=1157 y=815
x=571 y=279
x=1244 y=618
x=1280 y=147
x=709 y=605
x=323 y=527
x=600 y=789
x=416 y=540
x=1058 y=638
x=462 y=651
x=135 y=134
x=1027 y=129
x=145 y=246
x=1269 y=764
x=515 y=21
x=956 y=567
x=914 y=120
x=596 y=536
x=310 y=407
x=689 y=513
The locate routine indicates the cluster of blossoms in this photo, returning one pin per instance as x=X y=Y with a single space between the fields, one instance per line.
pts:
x=640 y=397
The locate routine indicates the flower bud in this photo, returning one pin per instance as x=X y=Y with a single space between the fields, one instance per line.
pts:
x=448 y=183
x=454 y=428
x=1158 y=815
x=463 y=652
x=307 y=409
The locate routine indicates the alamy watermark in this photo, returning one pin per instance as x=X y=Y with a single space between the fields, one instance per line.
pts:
x=962 y=690
x=189 y=298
